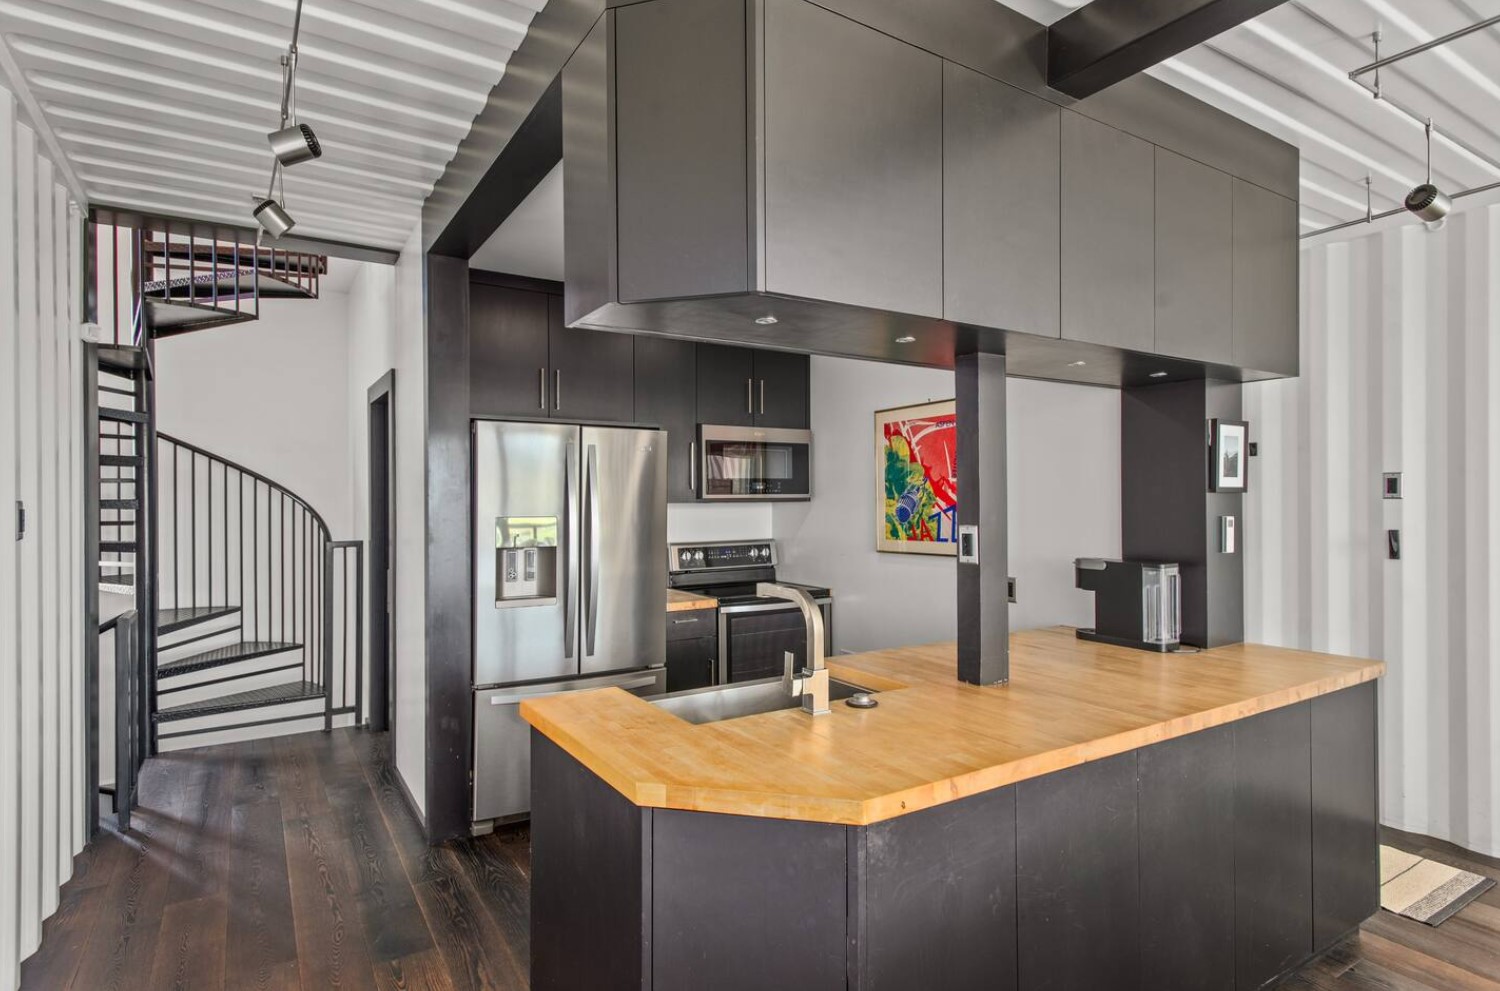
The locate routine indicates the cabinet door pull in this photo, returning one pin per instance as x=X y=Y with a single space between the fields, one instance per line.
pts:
x=750 y=396
x=679 y=622
x=541 y=387
x=557 y=388
x=762 y=397
x=693 y=467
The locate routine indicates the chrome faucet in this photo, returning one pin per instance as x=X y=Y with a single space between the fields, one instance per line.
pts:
x=811 y=683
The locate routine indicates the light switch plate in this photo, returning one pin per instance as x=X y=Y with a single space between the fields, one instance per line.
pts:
x=968 y=543
x=1390 y=485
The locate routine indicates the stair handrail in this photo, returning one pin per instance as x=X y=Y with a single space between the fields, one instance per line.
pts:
x=249 y=473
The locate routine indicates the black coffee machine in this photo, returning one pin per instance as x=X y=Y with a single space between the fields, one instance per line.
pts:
x=1136 y=603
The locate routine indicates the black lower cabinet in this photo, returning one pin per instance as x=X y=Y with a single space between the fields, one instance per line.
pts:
x=691 y=663
x=934 y=900
x=590 y=907
x=1272 y=844
x=1345 y=790
x=1077 y=878
x=746 y=904
x=1187 y=862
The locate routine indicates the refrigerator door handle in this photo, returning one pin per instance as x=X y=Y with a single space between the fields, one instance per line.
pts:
x=512 y=696
x=570 y=618
x=591 y=548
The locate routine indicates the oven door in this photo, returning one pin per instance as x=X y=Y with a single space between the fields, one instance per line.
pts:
x=753 y=463
x=754 y=639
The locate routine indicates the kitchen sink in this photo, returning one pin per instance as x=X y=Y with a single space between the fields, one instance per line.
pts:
x=748 y=698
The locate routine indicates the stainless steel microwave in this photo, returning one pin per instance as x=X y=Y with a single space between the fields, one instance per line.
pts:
x=752 y=463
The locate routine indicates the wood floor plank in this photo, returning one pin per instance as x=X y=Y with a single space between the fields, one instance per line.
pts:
x=81 y=903
x=331 y=942
x=466 y=938
x=190 y=951
x=423 y=971
x=1402 y=959
x=386 y=903
x=261 y=937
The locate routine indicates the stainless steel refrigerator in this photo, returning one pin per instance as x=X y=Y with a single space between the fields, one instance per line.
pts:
x=570 y=581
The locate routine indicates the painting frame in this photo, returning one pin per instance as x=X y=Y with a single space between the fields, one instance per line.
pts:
x=943 y=525
x=1228 y=456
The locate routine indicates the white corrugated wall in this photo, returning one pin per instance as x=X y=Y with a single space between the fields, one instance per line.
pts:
x=1400 y=372
x=42 y=805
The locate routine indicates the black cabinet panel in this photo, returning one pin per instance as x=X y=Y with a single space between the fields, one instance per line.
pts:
x=590 y=868
x=1187 y=862
x=691 y=662
x=726 y=385
x=666 y=396
x=781 y=390
x=1108 y=210
x=853 y=163
x=508 y=367
x=726 y=888
x=937 y=907
x=681 y=148
x=1265 y=280
x=1273 y=844
x=1077 y=878
x=593 y=371
x=1194 y=260
x=1001 y=230
x=1345 y=820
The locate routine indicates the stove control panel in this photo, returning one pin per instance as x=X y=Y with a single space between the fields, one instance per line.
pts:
x=722 y=556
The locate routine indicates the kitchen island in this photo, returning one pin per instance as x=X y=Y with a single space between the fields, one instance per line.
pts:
x=1110 y=818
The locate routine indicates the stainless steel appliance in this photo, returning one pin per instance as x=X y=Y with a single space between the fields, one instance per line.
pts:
x=755 y=631
x=1136 y=603
x=570 y=581
x=744 y=463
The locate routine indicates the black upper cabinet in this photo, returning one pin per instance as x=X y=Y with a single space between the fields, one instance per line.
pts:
x=1108 y=214
x=781 y=385
x=592 y=376
x=853 y=163
x=1265 y=280
x=1194 y=260
x=726 y=385
x=666 y=396
x=508 y=352
x=1001 y=160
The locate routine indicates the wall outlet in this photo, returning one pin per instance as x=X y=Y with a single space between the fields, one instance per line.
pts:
x=1010 y=589
x=1390 y=485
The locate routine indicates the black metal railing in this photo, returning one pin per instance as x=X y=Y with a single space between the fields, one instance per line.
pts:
x=230 y=538
x=132 y=736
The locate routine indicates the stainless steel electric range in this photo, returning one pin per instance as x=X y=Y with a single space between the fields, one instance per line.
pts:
x=754 y=632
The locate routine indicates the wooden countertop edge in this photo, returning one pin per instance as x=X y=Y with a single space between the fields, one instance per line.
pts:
x=858 y=812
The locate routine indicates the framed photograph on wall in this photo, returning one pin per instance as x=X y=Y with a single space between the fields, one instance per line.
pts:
x=1228 y=455
x=916 y=479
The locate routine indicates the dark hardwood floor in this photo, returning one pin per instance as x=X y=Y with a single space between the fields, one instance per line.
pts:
x=294 y=863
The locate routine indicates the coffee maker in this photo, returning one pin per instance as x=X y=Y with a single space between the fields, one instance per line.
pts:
x=1136 y=603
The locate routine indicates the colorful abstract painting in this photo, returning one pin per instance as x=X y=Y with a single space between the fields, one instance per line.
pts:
x=916 y=461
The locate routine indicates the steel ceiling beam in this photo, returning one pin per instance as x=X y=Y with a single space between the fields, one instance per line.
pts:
x=1107 y=41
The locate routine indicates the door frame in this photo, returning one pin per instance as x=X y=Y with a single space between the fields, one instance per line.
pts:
x=380 y=442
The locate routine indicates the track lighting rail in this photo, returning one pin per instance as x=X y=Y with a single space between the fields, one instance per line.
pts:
x=1452 y=36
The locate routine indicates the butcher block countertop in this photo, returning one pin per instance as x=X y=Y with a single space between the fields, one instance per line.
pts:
x=932 y=739
x=680 y=601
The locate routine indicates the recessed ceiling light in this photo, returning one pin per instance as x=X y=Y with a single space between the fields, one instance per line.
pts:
x=908 y=339
x=1158 y=375
x=766 y=320
x=1077 y=364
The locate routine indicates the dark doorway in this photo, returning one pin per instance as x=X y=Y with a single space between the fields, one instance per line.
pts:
x=382 y=461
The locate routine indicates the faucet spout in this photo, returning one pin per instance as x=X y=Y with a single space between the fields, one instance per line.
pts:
x=811 y=683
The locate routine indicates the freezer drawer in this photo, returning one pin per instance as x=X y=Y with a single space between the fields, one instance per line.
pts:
x=502 y=739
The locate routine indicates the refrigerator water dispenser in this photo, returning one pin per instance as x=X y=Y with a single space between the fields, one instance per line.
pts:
x=525 y=561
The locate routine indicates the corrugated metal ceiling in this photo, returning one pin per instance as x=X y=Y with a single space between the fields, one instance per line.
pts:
x=1287 y=72
x=164 y=104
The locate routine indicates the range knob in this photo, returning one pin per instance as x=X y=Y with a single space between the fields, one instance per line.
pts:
x=698 y=556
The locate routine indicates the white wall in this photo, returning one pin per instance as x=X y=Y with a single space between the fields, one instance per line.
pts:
x=270 y=395
x=1064 y=463
x=1400 y=372
x=688 y=522
x=43 y=809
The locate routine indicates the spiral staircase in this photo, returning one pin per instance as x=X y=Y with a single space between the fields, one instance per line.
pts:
x=234 y=612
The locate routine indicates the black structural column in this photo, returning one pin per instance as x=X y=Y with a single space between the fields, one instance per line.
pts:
x=1168 y=513
x=983 y=602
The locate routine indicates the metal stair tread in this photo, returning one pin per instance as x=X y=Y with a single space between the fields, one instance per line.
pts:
x=173 y=316
x=220 y=656
x=122 y=415
x=117 y=546
x=292 y=691
x=119 y=504
x=123 y=358
x=228 y=285
x=120 y=461
x=172 y=620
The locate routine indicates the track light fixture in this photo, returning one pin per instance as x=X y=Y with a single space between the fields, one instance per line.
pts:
x=292 y=143
x=1427 y=202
